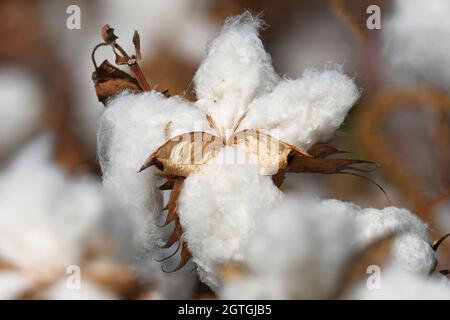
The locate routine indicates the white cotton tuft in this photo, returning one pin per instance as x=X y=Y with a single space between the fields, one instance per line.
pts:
x=21 y=106
x=59 y=218
x=395 y=284
x=131 y=129
x=290 y=254
x=412 y=247
x=415 y=39
x=236 y=70
x=63 y=221
x=219 y=208
x=298 y=252
x=49 y=221
x=306 y=110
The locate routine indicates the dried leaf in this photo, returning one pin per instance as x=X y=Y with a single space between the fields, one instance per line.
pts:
x=168 y=185
x=325 y=166
x=272 y=154
x=107 y=34
x=185 y=153
x=184 y=258
x=175 y=236
x=322 y=150
x=110 y=81
x=436 y=244
x=172 y=204
x=137 y=45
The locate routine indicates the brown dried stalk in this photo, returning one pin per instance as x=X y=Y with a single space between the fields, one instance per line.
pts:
x=370 y=134
x=110 y=80
x=341 y=10
x=175 y=186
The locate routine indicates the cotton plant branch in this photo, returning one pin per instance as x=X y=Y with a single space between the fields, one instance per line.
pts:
x=108 y=79
x=343 y=12
x=370 y=135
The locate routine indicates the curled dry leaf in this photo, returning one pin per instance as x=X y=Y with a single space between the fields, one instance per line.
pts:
x=110 y=81
x=187 y=153
x=436 y=244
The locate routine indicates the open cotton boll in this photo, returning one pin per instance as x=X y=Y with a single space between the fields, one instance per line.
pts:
x=415 y=38
x=21 y=105
x=412 y=248
x=219 y=207
x=306 y=110
x=131 y=128
x=298 y=252
x=236 y=70
x=397 y=284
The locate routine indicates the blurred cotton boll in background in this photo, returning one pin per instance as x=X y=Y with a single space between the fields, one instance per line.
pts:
x=304 y=246
x=21 y=107
x=415 y=39
x=56 y=221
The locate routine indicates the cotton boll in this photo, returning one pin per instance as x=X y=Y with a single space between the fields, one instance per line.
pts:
x=60 y=219
x=36 y=245
x=412 y=249
x=400 y=285
x=298 y=252
x=415 y=38
x=13 y=284
x=219 y=207
x=236 y=70
x=21 y=105
x=306 y=110
x=132 y=128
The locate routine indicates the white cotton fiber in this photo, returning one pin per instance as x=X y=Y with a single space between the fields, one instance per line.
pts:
x=21 y=106
x=306 y=110
x=219 y=208
x=399 y=285
x=290 y=254
x=131 y=129
x=236 y=70
x=416 y=39
x=47 y=220
x=412 y=248
x=298 y=252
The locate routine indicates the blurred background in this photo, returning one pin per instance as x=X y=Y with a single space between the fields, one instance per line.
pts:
x=402 y=120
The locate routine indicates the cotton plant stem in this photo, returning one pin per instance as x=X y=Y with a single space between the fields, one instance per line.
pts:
x=370 y=134
x=134 y=67
x=137 y=71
